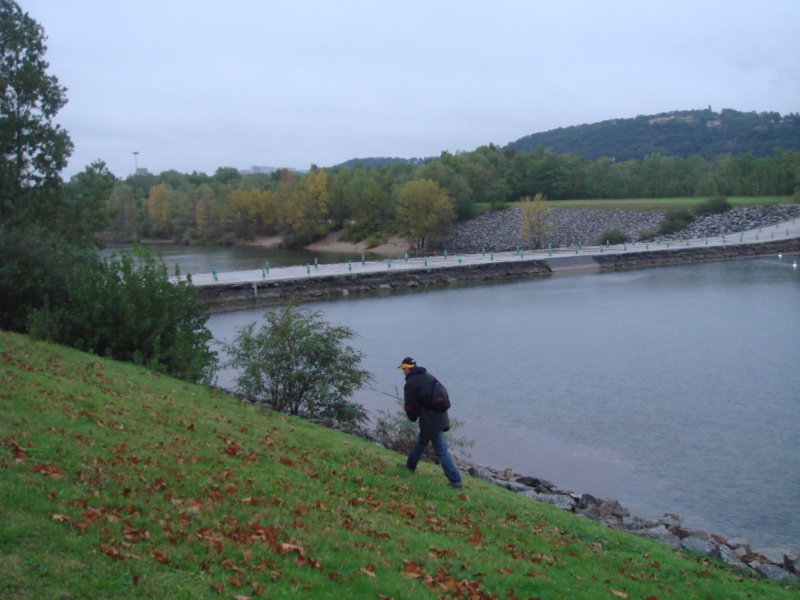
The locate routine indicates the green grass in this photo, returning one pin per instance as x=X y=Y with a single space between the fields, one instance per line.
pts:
x=659 y=204
x=117 y=482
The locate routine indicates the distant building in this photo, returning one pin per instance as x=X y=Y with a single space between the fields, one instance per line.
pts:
x=255 y=170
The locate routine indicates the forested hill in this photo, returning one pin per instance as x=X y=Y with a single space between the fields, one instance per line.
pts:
x=378 y=161
x=679 y=134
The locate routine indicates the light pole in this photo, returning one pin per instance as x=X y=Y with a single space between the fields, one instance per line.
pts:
x=135 y=162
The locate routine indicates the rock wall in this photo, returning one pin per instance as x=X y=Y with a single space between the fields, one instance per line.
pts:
x=499 y=231
x=265 y=293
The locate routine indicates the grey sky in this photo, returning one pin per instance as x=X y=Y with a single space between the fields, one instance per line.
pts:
x=194 y=85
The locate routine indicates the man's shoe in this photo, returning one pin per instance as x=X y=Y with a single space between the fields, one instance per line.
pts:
x=458 y=485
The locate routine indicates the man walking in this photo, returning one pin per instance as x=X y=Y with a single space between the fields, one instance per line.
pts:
x=417 y=394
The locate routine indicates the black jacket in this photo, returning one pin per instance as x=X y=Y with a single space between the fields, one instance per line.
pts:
x=416 y=395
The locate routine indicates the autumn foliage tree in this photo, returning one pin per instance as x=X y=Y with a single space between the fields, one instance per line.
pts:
x=535 y=227
x=424 y=212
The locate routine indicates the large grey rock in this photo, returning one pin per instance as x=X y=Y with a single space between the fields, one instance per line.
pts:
x=661 y=534
x=700 y=545
x=729 y=556
x=773 y=555
x=771 y=571
x=513 y=486
x=562 y=501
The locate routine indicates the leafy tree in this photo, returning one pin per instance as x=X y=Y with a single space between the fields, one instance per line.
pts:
x=371 y=209
x=424 y=211
x=535 y=227
x=307 y=213
x=298 y=363
x=457 y=187
x=124 y=212
x=33 y=150
x=86 y=195
x=128 y=309
x=36 y=267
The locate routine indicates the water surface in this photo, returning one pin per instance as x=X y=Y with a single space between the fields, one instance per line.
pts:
x=673 y=389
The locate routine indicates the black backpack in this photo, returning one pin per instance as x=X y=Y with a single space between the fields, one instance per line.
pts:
x=440 y=400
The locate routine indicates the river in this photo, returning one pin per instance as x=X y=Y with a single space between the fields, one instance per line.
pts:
x=673 y=389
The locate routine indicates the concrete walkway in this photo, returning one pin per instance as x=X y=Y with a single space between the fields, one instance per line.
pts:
x=558 y=259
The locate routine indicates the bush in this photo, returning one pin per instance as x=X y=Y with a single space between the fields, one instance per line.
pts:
x=647 y=234
x=396 y=432
x=298 y=363
x=35 y=269
x=615 y=236
x=713 y=206
x=674 y=221
x=127 y=309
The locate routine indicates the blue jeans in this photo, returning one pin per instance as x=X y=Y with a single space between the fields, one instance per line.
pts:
x=440 y=448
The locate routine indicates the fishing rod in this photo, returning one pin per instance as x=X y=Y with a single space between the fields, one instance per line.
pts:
x=381 y=391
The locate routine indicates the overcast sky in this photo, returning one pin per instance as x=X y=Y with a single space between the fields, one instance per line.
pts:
x=194 y=85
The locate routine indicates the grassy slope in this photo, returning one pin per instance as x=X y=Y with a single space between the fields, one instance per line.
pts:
x=118 y=482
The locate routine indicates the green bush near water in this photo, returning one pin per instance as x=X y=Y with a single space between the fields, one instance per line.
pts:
x=713 y=206
x=675 y=221
x=615 y=236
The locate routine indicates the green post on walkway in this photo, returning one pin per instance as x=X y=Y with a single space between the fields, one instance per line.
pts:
x=266 y=267
x=362 y=259
x=308 y=269
x=214 y=273
x=406 y=255
x=349 y=265
x=316 y=265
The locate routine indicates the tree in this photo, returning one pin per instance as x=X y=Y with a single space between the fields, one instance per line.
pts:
x=307 y=213
x=371 y=208
x=33 y=150
x=87 y=194
x=298 y=363
x=424 y=211
x=536 y=227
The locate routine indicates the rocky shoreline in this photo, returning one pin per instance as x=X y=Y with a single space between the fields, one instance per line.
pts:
x=667 y=530
x=499 y=231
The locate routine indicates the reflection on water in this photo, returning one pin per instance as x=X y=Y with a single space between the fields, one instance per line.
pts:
x=671 y=389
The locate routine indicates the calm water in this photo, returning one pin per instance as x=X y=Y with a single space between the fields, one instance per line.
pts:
x=674 y=389
x=200 y=259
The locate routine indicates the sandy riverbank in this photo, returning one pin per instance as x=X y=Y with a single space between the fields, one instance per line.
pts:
x=394 y=248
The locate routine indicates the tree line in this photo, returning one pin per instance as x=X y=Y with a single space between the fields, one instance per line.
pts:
x=419 y=202
x=55 y=286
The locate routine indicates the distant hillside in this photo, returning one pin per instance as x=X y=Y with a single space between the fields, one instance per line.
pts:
x=378 y=161
x=680 y=134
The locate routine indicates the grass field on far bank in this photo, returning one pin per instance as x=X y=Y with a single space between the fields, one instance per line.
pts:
x=659 y=204
x=117 y=482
